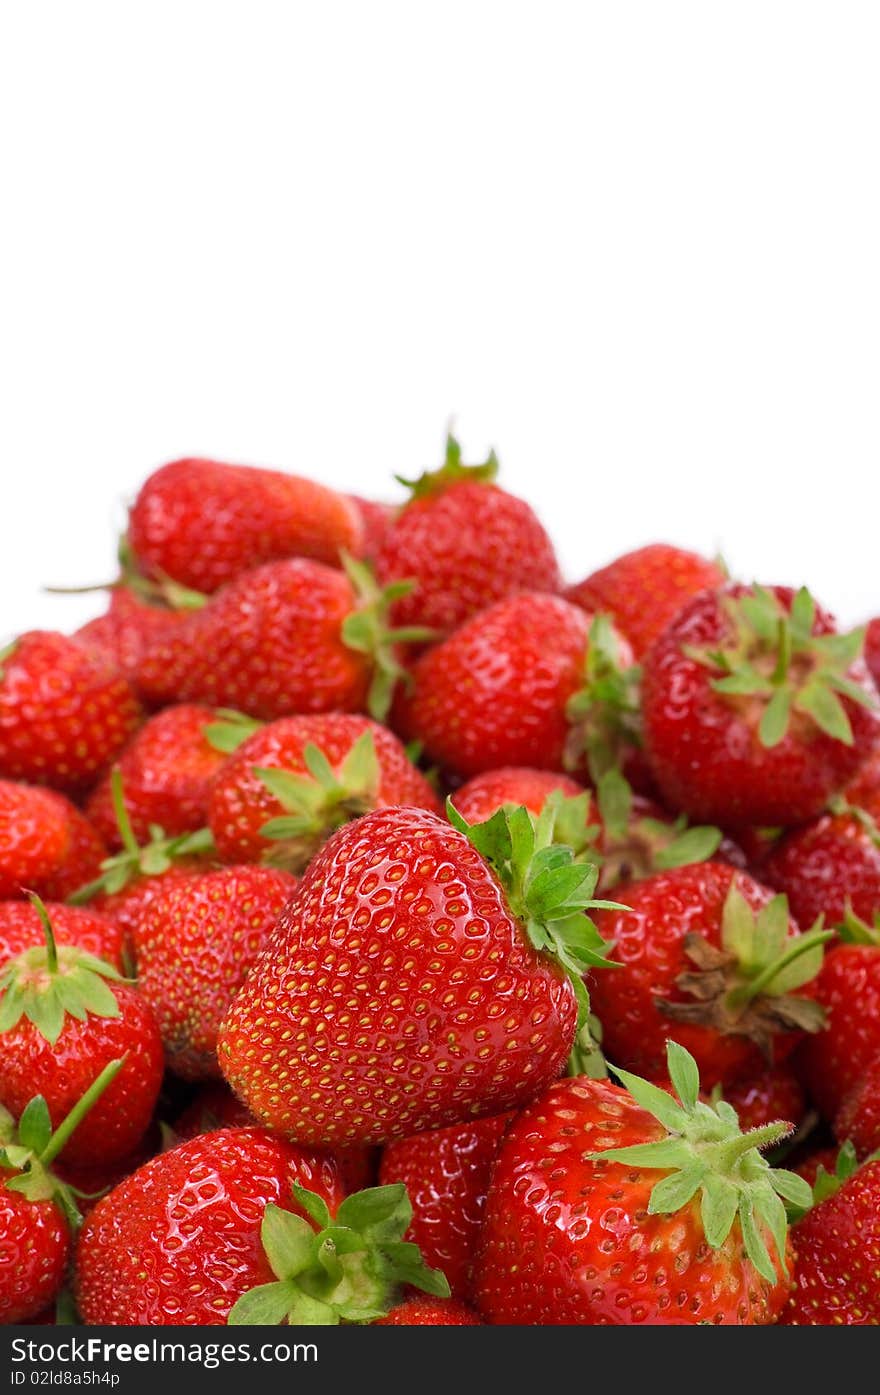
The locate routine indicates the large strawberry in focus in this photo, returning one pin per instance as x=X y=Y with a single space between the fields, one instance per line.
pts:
x=65 y=713
x=755 y=709
x=423 y=975
x=644 y=590
x=466 y=543
x=292 y=782
x=613 y=1206
x=203 y=522
x=837 y=1244
x=711 y=958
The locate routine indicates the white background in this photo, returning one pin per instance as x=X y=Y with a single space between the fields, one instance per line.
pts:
x=635 y=246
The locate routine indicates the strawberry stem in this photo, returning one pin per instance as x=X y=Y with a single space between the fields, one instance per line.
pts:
x=123 y=822
x=799 y=945
x=74 y=1118
x=51 y=947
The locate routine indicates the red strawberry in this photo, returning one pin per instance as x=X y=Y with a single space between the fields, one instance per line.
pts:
x=838 y=1244
x=128 y=625
x=466 y=542
x=430 y=1312
x=37 y=1209
x=872 y=649
x=65 y=713
x=415 y=981
x=376 y=518
x=446 y=1173
x=755 y=709
x=709 y=957
x=204 y=523
x=864 y=790
x=485 y=794
x=776 y=1093
x=166 y=770
x=287 y=637
x=830 y=865
x=858 y=1119
x=512 y=687
x=816 y=1162
x=46 y=844
x=64 y=1015
x=194 y=948
x=178 y=1242
x=849 y=990
x=616 y=1208
x=644 y=590
x=265 y=1229
x=293 y=782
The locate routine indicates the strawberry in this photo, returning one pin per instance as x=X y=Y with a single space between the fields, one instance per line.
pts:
x=755 y=709
x=419 y=979
x=617 y=1206
x=166 y=770
x=864 y=790
x=37 y=1210
x=644 y=590
x=837 y=1244
x=430 y=1312
x=194 y=947
x=479 y=798
x=708 y=956
x=128 y=625
x=872 y=648
x=268 y=1238
x=213 y=1107
x=858 y=1118
x=46 y=844
x=22 y=929
x=513 y=686
x=65 y=713
x=848 y=989
x=293 y=782
x=830 y=865
x=446 y=1173
x=178 y=1242
x=64 y=1015
x=203 y=523
x=286 y=637
x=775 y=1093
x=466 y=542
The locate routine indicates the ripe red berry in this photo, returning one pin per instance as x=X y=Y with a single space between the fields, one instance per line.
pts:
x=838 y=1249
x=430 y=1312
x=848 y=989
x=412 y=983
x=65 y=713
x=608 y=1208
x=830 y=866
x=203 y=523
x=711 y=958
x=644 y=590
x=466 y=543
x=857 y=1121
x=46 y=844
x=755 y=709
x=128 y=625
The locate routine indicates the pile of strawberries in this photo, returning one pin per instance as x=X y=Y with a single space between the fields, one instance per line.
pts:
x=391 y=933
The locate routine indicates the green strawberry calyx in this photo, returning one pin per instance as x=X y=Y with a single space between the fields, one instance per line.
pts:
x=135 y=860
x=774 y=666
x=706 y=1154
x=604 y=714
x=547 y=889
x=367 y=631
x=161 y=591
x=852 y=930
x=452 y=471
x=28 y=1149
x=634 y=847
x=229 y=729
x=343 y=1269
x=49 y=983
x=319 y=801
x=747 y=986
